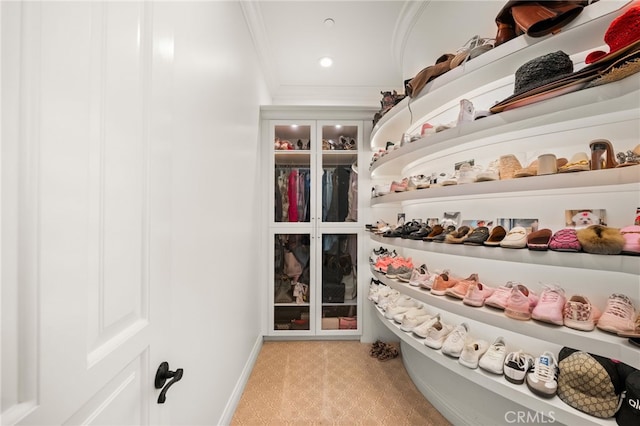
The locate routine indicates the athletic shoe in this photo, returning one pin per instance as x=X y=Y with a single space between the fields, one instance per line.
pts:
x=436 y=334
x=455 y=342
x=543 y=380
x=419 y=182
x=400 y=186
x=409 y=323
x=459 y=290
x=388 y=298
x=550 y=306
x=477 y=294
x=415 y=272
x=618 y=315
x=413 y=312
x=516 y=366
x=393 y=272
x=519 y=305
x=472 y=352
x=422 y=329
x=500 y=296
x=442 y=283
x=580 y=314
x=419 y=276
x=493 y=360
x=399 y=306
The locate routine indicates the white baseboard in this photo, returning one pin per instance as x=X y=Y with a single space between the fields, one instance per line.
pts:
x=234 y=399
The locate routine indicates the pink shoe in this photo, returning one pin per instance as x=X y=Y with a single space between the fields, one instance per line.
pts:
x=500 y=296
x=519 y=303
x=400 y=186
x=442 y=283
x=618 y=315
x=550 y=306
x=580 y=314
x=477 y=294
x=459 y=290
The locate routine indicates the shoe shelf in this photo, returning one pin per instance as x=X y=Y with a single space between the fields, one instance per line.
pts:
x=596 y=341
x=519 y=394
x=613 y=102
x=621 y=179
x=291 y=304
x=615 y=263
x=347 y=302
x=584 y=33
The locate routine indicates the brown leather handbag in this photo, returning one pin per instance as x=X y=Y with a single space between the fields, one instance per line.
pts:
x=535 y=18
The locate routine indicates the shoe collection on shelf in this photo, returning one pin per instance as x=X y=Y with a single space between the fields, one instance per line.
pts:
x=544 y=373
x=426 y=161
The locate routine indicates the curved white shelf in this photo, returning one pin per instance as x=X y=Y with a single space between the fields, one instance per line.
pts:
x=596 y=341
x=619 y=263
x=585 y=33
x=520 y=394
x=623 y=178
x=611 y=102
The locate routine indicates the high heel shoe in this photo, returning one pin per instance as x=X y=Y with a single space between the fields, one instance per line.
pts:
x=600 y=147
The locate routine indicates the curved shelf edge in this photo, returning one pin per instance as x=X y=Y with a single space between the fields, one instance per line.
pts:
x=497 y=384
x=616 y=263
x=617 y=97
x=596 y=341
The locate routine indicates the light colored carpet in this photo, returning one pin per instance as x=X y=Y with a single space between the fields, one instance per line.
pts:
x=330 y=383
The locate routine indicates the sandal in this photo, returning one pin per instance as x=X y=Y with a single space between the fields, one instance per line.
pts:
x=388 y=352
x=600 y=147
x=376 y=348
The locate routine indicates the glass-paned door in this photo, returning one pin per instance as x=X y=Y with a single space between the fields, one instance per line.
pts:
x=339 y=288
x=292 y=282
x=293 y=175
x=339 y=172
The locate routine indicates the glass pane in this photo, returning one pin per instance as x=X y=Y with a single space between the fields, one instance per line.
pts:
x=339 y=173
x=339 y=281
x=292 y=173
x=291 y=281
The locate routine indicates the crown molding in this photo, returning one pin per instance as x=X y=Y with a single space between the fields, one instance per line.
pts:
x=255 y=23
x=409 y=15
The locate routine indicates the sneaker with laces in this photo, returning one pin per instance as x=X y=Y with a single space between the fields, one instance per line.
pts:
x=393 y=272
x=492 y=172
x=516 y=366
x=477 y=294
x=500 y=296
x=413 y=312
x=618 y=315
x=520 y=303
x=409 y=323
x=459 y=290
x=543 y=380
x=419 y=182
x=550 y=305
x=388 y=298
x=493 y=360
x=436 y=334
x=419 y=276
x=456 y=341
x=471 y=353
x=422 y=329
x=442 y=283
x=580 y=314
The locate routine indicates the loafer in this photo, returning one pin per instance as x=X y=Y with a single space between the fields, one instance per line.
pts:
x=496 y=235
x=478 y=236
x=539 y=240
x=516 y=238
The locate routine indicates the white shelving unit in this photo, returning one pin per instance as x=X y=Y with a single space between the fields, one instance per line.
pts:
x=563 y=125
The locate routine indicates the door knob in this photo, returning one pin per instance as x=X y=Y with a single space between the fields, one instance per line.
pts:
x=162 y=374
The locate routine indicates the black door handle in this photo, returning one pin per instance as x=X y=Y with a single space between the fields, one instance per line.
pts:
x=162 y=375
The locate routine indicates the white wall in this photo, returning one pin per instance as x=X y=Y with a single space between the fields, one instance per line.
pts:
x=216 y=308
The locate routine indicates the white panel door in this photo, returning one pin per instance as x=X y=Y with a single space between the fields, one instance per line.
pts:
x=85 y=213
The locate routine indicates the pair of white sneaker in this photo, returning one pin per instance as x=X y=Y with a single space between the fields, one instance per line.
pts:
x=459 y=344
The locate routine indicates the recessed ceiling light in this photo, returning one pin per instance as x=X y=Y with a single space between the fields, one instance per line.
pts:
x=329 y=22
x=326 y=62
x=338 y=126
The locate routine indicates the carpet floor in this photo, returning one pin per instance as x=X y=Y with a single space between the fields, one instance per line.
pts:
x=330 y=383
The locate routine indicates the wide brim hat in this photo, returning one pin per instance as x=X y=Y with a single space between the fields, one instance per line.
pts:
x=622 y=35
x=538 y=75
x=588 y=383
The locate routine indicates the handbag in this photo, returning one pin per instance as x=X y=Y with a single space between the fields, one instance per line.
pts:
x=350 y=282
x=333 y=293
x=292 y=267
x=332 y=272
x=347 y=323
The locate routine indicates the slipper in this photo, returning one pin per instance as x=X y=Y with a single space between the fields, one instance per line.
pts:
x=539 y=240
x=578 y=163
x=496 y=236
x=478 y=236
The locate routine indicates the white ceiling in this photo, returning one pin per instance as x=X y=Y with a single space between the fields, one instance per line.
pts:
x=374 y=44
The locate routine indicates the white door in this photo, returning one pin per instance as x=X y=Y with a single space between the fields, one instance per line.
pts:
x=85 y=214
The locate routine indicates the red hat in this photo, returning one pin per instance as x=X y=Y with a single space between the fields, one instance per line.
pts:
x=623 y=32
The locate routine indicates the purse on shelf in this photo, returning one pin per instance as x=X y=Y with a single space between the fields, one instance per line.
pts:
x=347 y=323
x=350 y=282
x=283 y=290
x=292 y=267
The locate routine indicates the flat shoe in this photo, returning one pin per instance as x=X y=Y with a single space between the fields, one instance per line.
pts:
x=539 y=240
